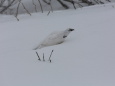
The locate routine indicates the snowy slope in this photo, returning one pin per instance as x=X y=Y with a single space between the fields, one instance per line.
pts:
x=86 y=58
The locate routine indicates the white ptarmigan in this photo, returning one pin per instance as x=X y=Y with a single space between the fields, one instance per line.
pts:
x=54 y=38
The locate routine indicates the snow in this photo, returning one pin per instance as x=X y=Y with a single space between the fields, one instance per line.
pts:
x=86 y=58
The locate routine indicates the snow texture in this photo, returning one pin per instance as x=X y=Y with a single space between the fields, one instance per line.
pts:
x=86 y=58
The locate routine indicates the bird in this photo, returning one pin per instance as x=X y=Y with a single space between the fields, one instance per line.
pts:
x=54 y=38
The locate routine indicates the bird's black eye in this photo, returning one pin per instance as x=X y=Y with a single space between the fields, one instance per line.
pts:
x=71 y=29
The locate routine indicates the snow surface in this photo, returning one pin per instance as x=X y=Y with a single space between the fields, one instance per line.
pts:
x=86 y=58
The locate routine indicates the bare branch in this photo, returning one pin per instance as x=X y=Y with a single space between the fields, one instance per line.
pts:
x=38 y=56
x=51 y=6
x=48 y=13
x=17 y=18
x=78 y=4
x=49 y=3
x=64 y=5
x=40 y=6
x=87 y=2
x=17 y=9
x=34 y=5
x=50 y=56
x=46 y=2
x=25 y=8
x=72 y=2
x=43 y=57
x=7 y=7
x=2 y=2
x=96 y=1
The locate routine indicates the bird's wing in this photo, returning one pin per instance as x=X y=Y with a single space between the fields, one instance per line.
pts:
x=54 y=35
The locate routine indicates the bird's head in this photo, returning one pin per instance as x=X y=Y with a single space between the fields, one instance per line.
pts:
x=70 y=29
x=67 y=31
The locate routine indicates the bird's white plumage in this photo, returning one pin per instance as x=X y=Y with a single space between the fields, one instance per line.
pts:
x=54 y=38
